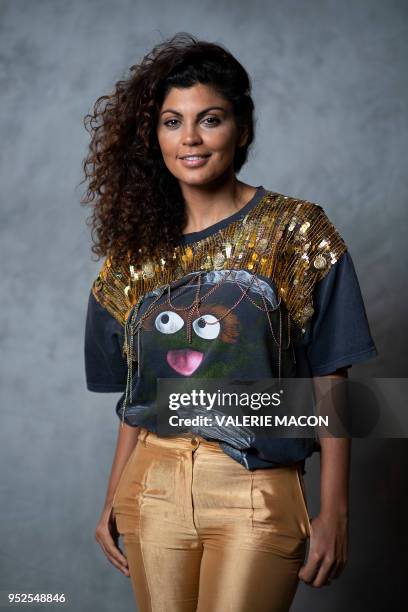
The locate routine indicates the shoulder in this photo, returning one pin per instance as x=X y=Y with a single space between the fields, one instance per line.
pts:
x=300 y=220
x=295 y=209
x=112 y=288
x=305 y=226
x=308 y=246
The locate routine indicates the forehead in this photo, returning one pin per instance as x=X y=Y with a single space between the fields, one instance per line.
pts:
x=196 y=97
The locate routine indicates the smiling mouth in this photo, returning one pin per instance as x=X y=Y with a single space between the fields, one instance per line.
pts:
x=192 y=157
x=194 y=161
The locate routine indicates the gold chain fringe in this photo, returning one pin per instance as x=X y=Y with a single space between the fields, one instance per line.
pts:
x=287 y=240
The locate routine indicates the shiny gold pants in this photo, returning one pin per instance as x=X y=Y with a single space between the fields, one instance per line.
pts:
x=202 y=533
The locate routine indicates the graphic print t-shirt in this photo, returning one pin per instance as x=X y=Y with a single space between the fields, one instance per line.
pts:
x=230 y=334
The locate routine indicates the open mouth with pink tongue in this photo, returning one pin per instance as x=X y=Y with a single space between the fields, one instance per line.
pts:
x=184 y=361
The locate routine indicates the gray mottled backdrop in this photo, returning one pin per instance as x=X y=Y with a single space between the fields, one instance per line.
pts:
x=330 y=83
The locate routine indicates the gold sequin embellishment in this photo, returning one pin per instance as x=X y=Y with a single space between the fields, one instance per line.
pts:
x=288 y=240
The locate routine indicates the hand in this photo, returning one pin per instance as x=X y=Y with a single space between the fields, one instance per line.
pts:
x=107 y=535
x=327 y=550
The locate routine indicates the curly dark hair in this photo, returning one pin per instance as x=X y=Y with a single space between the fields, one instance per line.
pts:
x=138 y=209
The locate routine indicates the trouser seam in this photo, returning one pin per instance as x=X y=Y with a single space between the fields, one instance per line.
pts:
x=191 y=489
x=252 y=500
x=149 y=591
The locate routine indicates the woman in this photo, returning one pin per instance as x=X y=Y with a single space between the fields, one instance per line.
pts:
x=205 y=277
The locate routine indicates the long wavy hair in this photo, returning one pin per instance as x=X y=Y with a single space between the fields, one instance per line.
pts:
x=138 y=209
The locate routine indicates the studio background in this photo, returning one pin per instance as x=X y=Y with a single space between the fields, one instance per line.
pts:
x=330 y=88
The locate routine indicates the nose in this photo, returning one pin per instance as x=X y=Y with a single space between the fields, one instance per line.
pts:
x=191 y=135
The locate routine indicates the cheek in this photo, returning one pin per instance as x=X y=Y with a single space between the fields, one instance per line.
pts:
x=223 y=142
x=167 y=144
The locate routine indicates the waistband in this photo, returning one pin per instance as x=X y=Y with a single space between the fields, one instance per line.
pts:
x=186 y=440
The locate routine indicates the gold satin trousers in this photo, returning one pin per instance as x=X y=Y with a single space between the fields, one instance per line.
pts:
x=203 y=534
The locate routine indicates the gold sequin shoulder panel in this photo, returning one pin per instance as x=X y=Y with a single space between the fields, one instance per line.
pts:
x=289 y=240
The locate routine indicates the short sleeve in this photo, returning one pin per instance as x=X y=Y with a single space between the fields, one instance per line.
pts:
x=105 y=366
x=339 y=334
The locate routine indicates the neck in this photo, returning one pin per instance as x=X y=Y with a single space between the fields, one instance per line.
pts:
x=205 y=205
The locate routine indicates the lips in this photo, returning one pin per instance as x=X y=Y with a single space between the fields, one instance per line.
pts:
x=194 y=162
x=184 y=361
x=195 y=156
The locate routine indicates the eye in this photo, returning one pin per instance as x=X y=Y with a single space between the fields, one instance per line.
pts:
x=214 y=121
x=207 y=327
x=168 y=322
x=211 y=122
x=169 y=122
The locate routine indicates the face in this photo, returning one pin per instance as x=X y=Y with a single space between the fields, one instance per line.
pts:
x=197 y=121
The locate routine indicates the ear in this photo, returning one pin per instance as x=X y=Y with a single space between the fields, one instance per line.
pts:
x=243 y=137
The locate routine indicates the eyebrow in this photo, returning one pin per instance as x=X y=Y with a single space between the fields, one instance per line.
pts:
x=170 y=110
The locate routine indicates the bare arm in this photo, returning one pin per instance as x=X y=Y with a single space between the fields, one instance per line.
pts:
x=106 y=533
x=334 y=479
x=329 y=530
x=334 y=460
x=126 y=442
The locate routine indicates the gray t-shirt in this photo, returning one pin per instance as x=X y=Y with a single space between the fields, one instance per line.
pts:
x=225 y=342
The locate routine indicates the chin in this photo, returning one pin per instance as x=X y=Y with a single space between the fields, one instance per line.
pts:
x=203 y=183
x=195 y=178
